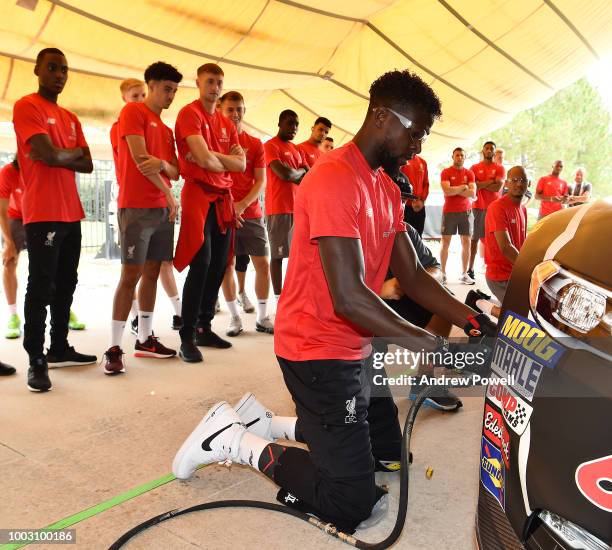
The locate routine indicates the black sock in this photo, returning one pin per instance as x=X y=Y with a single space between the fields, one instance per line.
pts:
x=268 y=460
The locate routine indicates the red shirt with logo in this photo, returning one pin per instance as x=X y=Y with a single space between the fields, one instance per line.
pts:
x=136 y=190
x=218 y=132
x=503 y=214
x=49 y=192
x=456 y=177
x=484 y=172
x=280 y=193
x=244 y=181
x=551 y=186
x=416 y=171
x=11 y=189
x=310 y=153
x=361 y=204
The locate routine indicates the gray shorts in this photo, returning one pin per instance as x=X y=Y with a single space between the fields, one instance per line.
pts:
x=251 y=238
x=146 y=234
x=478 y=231
x=18 y=234
x=498 y=288
x=457 y=222
x=280 y=231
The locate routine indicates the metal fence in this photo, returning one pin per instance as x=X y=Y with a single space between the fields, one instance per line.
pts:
x=98 y=192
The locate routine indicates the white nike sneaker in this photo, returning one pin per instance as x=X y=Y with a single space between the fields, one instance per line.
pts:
x=256 y=418
x=246 y=304
x=467 y=280
x=235 y=326
x=215 y=439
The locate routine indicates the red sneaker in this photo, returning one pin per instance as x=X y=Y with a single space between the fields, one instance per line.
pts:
x=113 y=362
x=152 y=347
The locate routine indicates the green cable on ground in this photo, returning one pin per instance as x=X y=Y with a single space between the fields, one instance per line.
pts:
x=97 y=509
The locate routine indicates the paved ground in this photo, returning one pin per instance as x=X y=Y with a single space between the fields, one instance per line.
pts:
x=94 y=437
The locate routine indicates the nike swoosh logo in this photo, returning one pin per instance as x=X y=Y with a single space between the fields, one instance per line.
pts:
x=206 y=443
x=252 y=422
x=147 y=349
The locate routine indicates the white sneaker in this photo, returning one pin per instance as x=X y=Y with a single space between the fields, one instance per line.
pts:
x=467 y=280
x=246 y=304
x=235 y=326
x=256 y=418
x=265 y=325
x=444 y=279
x=215 y=439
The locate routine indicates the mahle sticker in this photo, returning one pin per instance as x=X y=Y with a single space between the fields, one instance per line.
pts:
x=509 y=361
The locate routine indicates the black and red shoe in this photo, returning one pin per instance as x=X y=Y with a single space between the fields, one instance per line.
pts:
x=113 y=361
x=152 y=347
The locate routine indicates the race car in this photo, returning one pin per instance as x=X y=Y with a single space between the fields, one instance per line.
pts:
x=546 y=449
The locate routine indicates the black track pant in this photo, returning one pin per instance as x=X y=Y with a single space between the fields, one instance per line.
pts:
x=415 y=219
x=54 y=249
x=205 y=276
x=345 y=429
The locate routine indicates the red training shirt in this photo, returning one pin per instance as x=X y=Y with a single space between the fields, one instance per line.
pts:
x=280 y=193
x=310 y=153
x=218 y=132
x=416 y=171
x=361 y=204
x=483 y=172
x=136 y=190
x=49 y=192
x=114 y=139
x=457 y=176
x=10 y=188
x=503 y=214
x=244 y=181
x=551 y=186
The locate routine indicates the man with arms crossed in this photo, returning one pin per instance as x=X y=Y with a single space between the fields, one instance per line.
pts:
x=346 y=237
x=489 y=177
x=286 y=168
x=459 y=187
x=209 y=150
x=250 y=239
x=147 y=210
x=552 y=191
x=50 y=149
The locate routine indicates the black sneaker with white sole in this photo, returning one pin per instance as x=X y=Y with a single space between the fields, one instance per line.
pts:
x=38 y=376
x=69 y=358
x=6 y=370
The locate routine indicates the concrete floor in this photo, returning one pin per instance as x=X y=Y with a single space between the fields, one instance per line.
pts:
x=94 y=437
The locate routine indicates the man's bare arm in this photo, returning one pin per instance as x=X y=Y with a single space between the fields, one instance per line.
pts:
x=285 y=172
x=77 y=158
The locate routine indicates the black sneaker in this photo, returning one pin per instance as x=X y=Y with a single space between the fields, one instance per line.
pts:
x=473 y=296
x=209 y=339
x=134 y=326
x=470 y=272
x=189 y=352
x=6 y=370
x=441 y=400
x=177 y=322
x=69 y=358
x=38 y=376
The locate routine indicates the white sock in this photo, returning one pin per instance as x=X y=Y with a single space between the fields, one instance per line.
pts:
x=145 y=325
x=117 y=328
x=283 y=426
x=262 y=309
x=176 y=304
x=251 y=447
x=233 y=307
x=134 y=310
x=485 y=306
x=13 y=309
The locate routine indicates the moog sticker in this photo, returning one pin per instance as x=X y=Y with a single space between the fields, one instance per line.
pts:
x=492 y=471
x=515 y=410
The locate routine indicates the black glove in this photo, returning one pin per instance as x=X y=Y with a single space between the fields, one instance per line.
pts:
x=480 y=326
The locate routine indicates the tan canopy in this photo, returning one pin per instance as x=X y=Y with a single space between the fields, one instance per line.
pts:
x=487 y=59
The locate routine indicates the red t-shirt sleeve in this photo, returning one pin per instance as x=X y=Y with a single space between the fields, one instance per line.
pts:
x=272 y=152
x=260 y=156
x=131 y=121
x=425 y=192
x=234 y=140
x=540 y=186
x=470 y=176
x=444 y=175
x=501 y=172
x=28 y=120
x=5 y=184
x=81 y=142
x=333 y=203
x=497 y=221
x=188 y=123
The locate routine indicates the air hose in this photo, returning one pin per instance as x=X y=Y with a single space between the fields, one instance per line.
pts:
x=328 y=528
